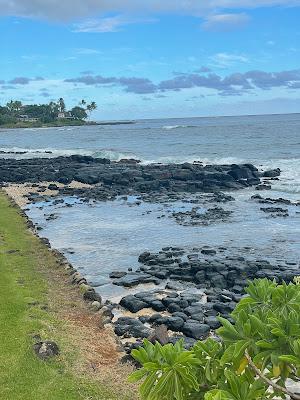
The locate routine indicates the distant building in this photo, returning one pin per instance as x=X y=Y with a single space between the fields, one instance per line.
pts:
x=26 y=118
x=64 y=115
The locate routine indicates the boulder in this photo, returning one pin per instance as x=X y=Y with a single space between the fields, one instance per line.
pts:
x=46 y=349
x=212 y=321
x=174 y=323
x=132 y=303
x=272 y=173
x=195 y=330
x=91 y=295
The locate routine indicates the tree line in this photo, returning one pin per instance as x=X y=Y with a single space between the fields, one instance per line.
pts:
x=15 y=111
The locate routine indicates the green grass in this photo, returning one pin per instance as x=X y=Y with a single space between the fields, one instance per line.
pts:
x=23 y=293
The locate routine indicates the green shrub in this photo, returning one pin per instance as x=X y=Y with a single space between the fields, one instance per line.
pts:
x=251 y=360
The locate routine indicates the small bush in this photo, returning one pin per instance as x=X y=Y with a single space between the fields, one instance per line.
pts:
x=251 y=360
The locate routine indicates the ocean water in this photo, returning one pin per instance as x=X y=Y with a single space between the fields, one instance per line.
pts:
x=102 y=237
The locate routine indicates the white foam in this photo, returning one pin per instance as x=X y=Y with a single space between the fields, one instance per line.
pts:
x=170 y=127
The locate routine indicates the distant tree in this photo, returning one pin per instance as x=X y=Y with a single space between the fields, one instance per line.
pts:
x=3 y=110
x=54 y=107
x=61 y=105
x=91 y=107
x=82 y=102
x=14 y=107
x=44 y=112
x=78 y=113
x=6 y=117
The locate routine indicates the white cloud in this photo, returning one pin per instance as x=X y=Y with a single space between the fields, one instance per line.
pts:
x=74 y=9
x=225 y=22
x=87 y=51
x=109 y=24
x=223 y=60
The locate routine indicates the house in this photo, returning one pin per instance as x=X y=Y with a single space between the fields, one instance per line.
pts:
x=64 y=115
x=26 y=118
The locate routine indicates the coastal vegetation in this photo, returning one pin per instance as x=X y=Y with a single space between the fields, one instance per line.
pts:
x=17 y=115
x=256 y=355
x=38 y=303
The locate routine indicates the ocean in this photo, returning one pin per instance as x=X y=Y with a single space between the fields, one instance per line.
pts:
x=106 y=236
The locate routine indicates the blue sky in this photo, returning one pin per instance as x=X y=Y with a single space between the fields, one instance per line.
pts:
x=182 y=58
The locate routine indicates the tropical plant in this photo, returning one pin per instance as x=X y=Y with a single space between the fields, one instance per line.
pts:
x=61 y=105
x=78 y=113
x=253 y=358
x=91 y=107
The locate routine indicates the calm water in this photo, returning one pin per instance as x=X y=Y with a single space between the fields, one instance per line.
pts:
x=109 y=236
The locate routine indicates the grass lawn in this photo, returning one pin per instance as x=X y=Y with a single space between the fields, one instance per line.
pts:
x=36 y=299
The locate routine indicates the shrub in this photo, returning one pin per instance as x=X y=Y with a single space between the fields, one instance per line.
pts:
x=251 y=359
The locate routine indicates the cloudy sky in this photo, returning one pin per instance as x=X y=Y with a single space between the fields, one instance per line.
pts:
x=153 y=58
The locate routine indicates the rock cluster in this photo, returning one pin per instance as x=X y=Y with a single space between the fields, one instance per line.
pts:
x=195 y=287
x=115 y=178
x=195 y=218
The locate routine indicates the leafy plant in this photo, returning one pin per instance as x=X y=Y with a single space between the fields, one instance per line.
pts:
x=251 y=360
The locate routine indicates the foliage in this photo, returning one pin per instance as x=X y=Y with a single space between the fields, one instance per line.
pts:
x=15 y=112
x=252 y=360
x=78 y=113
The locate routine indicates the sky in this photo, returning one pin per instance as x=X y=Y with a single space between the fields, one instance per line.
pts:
x=153 y=58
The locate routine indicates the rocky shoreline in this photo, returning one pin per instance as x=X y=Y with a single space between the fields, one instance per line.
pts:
x=192 y=286
x=197 y=286
x=129 y=177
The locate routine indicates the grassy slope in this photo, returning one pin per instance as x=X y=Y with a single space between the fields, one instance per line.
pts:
x=24 y=293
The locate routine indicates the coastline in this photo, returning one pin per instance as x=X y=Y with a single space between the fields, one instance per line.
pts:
x=48 y=289
x=62 y=123
x=183 y=289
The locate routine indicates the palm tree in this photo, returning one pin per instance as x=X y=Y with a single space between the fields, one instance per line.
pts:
x=61 y=105
x=91 y=107
x=14 y=106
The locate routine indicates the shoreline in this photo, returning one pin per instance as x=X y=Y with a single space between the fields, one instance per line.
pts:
x=58 y=124
x=78 y=318
x=183 y=278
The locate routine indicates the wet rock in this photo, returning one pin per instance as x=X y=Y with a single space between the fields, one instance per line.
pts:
x=263 y=187
x=180 y=314
x=212 y=321
x=53 y=186
x=132 y=327
x=276 y=211
x=196 y=218
x=195 y=330
x=124 y=178
x=117 y=274
x=154 y=317
x=209 y=252
x=157 y=305
x=174 y=323
x=272 y=173
x=173 y=308
x=195 y=309
x=132 y=279
x=144 y=257
x=132 y=303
